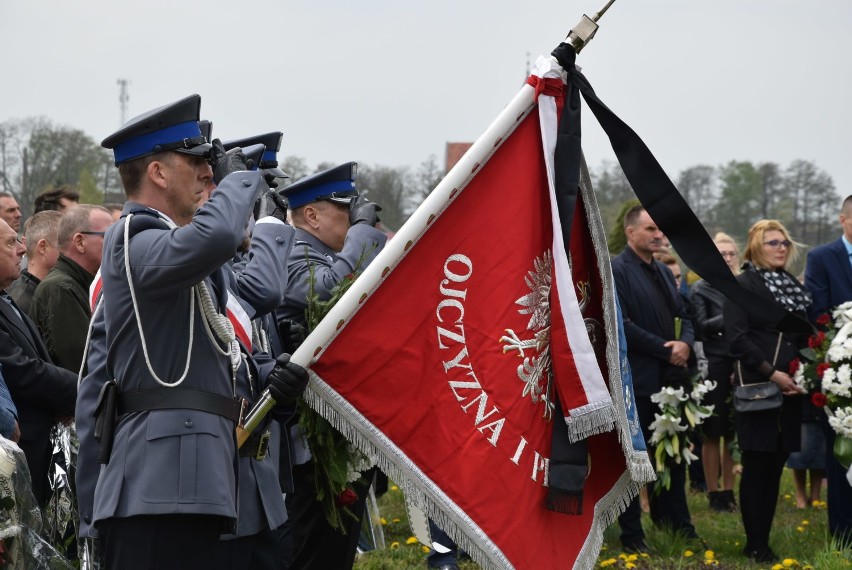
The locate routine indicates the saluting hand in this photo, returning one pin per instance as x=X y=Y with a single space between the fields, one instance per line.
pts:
x=226 y=162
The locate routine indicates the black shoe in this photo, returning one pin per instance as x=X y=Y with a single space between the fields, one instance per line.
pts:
x=763 y=554
x=637 y=547
x=717 y=501
x=447 y=567
x=729 y=501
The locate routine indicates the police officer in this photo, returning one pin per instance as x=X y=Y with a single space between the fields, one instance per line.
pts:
x=169 y=487
x=334 y=232
x=257 y=278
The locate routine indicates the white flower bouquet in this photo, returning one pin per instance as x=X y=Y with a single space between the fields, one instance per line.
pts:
x=670 y=435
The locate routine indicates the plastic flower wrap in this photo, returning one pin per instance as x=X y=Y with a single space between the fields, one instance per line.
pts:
x=20 y=517
x=61 y=517
x=669 y=433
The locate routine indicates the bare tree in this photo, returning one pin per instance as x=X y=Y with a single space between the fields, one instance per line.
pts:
x=697 y=185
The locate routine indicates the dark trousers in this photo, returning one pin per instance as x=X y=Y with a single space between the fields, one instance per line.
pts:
x=261 y=551
x=759 y=486
x=186 y=542
x=839 y=491
x=316 y=545
x=668 y=508
x=38 y=454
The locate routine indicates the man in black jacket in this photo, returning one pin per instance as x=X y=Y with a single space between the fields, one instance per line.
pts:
x=659 y=348
x=42 y=392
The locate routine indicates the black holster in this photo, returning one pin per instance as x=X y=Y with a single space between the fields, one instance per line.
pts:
x=105 y=419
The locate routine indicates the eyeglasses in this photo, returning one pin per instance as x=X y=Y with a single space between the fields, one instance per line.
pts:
x=93 y=233
x=727 y=254
x=776 y=243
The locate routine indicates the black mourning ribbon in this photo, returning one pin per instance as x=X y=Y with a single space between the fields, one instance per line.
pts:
x=668 y=208
x=674 y=217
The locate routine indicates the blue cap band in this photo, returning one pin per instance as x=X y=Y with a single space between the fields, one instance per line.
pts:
x=144 y=144
x=320 y=192
x=270 y=155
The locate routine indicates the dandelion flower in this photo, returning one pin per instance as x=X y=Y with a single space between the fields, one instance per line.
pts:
x=383 y=520
x=688 y=553
x=777 y=567
x=394 y=545
x=790 y=562
x=394 y=488
x=709 y=554
x=630 y=565
x=395 y=520
x=806 y=522
x=800 y=528
x=425 y=549
x=608 y=562
x=411 y=540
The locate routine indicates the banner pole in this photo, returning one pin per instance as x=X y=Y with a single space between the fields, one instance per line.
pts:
x=437 y=200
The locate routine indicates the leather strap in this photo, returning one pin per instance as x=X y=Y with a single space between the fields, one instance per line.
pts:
x=178 y=398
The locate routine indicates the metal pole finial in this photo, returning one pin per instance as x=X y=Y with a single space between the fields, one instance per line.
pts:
x=584 y=31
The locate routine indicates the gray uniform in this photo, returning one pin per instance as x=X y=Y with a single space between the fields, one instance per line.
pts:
x=258 y=281
x=173 y=461
x=329 y=267
x=313 y=542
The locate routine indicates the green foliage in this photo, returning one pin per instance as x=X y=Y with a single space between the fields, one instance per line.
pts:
x=333 y=456
x=741 y=187
x=37 y=155
x=89 y=191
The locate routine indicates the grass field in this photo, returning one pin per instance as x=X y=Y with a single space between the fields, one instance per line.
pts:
x=800 y=537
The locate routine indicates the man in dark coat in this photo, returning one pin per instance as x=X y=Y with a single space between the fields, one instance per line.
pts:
x=828 y=276
x=659 y=348
x=42 y=391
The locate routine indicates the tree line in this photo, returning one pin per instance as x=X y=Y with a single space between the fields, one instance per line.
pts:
x=732 y=196
x=37 y=154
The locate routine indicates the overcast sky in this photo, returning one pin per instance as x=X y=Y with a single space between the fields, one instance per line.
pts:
x=390 y=82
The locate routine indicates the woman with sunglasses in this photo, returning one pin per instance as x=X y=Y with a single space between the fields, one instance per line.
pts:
x=763 y=354
x=707 y=303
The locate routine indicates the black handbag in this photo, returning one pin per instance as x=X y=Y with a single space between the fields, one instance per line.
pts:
x=758 y=397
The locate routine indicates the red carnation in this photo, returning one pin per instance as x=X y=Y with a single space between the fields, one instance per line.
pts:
x=823 y=319
x=816 y=340
x=821 y=368
x=818 y=399
x=346 y=497
x=794 y=366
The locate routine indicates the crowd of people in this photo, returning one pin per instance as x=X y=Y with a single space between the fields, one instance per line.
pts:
x=154 y=325
x=671 y=325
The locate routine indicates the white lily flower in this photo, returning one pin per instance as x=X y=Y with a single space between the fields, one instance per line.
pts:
x=701 y=389
x=665 y=425
x=688 y=456
x=668 y=396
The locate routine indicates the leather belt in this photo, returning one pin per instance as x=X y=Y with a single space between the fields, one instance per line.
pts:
x=179 y=398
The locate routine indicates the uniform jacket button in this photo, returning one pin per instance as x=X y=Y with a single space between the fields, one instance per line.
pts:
x=246 y=183
x=279 y=239
x=188 y=423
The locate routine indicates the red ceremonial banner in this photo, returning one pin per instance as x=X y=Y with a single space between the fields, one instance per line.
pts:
x=432 y=364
